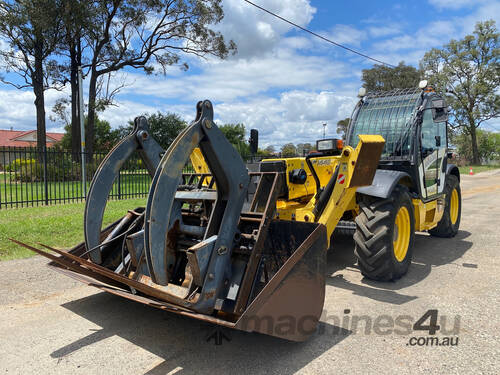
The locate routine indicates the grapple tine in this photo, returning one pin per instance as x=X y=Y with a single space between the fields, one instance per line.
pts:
x=65 y=263
x=117 y=277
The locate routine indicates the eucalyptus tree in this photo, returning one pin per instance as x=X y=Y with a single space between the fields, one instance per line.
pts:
x=149 y=35
x=31 y=29
x=467 y=71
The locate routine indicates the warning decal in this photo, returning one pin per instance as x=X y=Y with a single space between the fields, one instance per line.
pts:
x=341 y=179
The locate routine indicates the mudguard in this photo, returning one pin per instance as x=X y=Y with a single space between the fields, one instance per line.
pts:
x=383 y=183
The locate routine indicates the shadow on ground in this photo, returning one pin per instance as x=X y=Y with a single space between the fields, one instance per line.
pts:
x=428 y=252
x=182 y=343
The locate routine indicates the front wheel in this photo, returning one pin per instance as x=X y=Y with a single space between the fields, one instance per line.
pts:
x=385 y=229
x=450 y=222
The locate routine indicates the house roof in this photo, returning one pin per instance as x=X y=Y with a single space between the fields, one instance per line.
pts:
x=17 y=138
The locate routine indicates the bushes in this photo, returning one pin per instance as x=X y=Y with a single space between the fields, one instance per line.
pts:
x=25 y=170
x=32 y=170
x=27 y=165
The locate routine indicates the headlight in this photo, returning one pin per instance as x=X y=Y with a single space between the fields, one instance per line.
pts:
x=329 y=145
x=325 y=145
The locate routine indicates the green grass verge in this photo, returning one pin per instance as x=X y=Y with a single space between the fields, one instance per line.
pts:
x=477 y=168
x=59 y=226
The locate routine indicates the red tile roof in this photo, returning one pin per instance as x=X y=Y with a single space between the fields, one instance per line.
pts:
x=11 y=138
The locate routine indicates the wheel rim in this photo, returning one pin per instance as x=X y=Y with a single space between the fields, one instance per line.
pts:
x=402 y=230
x=454 y=204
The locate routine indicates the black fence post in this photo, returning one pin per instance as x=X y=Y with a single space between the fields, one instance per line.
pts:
x=45 y=182
x=119 y=184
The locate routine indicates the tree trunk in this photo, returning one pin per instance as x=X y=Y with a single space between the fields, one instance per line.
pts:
x=89 y=129
x=475 y=151
x=75 y=119
x=38 y=89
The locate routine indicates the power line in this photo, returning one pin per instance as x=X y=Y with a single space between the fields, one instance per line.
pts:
x=319 y=36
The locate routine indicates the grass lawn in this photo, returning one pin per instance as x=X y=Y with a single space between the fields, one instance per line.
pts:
x=59 y=226
x=477 y=168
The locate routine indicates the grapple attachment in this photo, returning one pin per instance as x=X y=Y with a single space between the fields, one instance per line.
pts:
x=207 y=245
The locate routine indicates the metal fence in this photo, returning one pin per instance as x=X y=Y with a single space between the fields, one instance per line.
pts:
x=32 y=177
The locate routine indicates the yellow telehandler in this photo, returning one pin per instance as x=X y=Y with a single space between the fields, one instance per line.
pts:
x=244 y=246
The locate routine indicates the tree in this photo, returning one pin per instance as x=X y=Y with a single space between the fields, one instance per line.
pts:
x=385 y=78
x=488 y=145
x=106 y=138
x=149 y=35
x=76 y=18
x=304 y=148
x=31 y=28
x=288 y=150
x=235 y=134
x=264 y=153
x=342 y=127
x=163 y=127
x=467 y=72
x=270 y=150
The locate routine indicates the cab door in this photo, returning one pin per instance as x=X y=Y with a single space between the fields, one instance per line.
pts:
x=433 y=148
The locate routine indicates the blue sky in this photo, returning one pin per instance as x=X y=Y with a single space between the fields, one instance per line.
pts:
x=283 y=81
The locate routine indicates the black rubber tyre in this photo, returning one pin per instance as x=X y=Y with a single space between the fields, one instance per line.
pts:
x=446 y=228
x=375 y=231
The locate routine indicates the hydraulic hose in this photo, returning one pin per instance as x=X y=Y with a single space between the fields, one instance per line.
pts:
x=325 y=194
x=313 y=171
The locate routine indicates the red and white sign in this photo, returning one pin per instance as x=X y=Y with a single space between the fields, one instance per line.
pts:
x=341 y=179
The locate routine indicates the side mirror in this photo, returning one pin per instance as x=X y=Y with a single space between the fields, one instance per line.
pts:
x=254 y=141
x=439 y=110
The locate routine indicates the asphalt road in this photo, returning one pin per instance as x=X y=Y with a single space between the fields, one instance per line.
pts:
x=51 y=324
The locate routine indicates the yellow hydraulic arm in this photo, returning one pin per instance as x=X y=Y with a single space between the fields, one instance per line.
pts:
x=355 y=168
x=358 y=166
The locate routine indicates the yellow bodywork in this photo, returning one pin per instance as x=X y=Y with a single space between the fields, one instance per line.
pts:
x=199 y=165
x=324 y=167
x=428 y=215
x=301 y=199
x=300 y=206
x=198 y=161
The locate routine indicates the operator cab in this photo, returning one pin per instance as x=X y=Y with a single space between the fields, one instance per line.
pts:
x=413 y=123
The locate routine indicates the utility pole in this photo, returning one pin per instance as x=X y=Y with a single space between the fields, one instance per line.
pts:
x=82 y=130
x=324 y=130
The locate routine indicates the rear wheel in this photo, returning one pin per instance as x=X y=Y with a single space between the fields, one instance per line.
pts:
x=450 y=222
x=385 y=229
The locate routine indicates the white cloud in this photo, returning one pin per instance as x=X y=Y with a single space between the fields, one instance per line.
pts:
x=431 y=35
x=256 y=32
x=232 y=79
x=346 y=34
x=436 y=33
x=18 y=109
x=296 y=116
